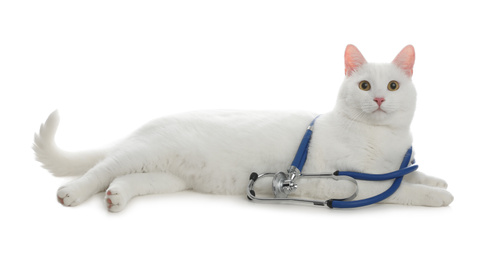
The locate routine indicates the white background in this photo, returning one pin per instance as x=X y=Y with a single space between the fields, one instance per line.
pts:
x=109 y=66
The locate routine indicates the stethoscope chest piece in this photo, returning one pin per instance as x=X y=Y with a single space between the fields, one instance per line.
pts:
x=284 y=183
x=277 y=185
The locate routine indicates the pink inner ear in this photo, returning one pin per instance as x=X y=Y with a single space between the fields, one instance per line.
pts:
x=353 y=59
x=405 y=59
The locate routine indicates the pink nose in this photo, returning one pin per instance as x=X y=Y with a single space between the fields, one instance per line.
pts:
x=379 y=100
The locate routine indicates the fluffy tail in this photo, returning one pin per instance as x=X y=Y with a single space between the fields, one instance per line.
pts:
x=57 y=161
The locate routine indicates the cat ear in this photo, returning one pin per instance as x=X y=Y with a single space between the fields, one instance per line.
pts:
x=405 y=59
x=353 y=59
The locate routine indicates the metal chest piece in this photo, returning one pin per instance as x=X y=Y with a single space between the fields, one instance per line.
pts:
x=284 y=183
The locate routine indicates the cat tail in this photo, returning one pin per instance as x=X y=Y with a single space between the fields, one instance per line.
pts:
x=57 y=161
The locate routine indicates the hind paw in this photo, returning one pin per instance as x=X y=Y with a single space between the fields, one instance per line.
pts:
x=69 y=196
x=115 y=199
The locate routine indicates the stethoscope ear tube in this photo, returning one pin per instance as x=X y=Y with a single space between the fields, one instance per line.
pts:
x=378 y=177
x=333 y=203
x=254 y=177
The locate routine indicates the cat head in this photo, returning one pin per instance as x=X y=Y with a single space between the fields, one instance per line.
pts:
x=378 y=94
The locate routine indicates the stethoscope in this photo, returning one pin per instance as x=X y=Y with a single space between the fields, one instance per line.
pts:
x=285 y=183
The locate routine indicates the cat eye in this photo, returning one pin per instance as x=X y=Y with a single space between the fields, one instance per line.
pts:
x=364 y=85
x=393 y=85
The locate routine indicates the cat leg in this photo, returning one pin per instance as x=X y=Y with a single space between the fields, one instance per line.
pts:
x=324 y=189
x=97 y=179
x=420 y=195
x=421 y=178
x=124 y=188
x=76 y=191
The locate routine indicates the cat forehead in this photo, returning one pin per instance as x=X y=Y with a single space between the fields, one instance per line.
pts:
x=380 y=71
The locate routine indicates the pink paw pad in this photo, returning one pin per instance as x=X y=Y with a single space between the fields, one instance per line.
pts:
x=61 y=200
x=110 y=204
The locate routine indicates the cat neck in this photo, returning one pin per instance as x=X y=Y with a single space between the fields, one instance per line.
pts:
x=343 y=129
x=339 y=142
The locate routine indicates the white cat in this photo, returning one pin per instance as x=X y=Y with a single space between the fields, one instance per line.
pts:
x=215 y=151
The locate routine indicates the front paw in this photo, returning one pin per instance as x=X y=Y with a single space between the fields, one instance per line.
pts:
x=69 y=196
x=435 y=182
x=438 y=198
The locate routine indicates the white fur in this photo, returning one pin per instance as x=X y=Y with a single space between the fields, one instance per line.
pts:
x=215 y=151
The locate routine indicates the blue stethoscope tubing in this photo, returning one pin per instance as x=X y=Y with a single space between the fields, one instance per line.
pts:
x=301 y=157
x=397 y=175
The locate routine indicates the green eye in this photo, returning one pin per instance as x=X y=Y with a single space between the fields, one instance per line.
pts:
x=364 y=85
x=393 y=85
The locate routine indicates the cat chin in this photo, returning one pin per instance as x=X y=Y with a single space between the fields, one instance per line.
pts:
x=389 y=119
x=379 y=118
x=379 y=112
x=382 y=117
